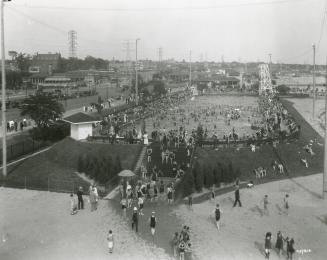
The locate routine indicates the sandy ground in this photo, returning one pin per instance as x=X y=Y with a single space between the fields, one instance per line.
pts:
x=243 y=228
x=38 y=225
x=304 y=107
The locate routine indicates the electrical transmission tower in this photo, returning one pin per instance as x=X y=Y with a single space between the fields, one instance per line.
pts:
x=160 y=52
x=128 y=48
x=265 y=86
x=72 y=44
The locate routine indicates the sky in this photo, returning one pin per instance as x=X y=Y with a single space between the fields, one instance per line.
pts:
x=232 y=30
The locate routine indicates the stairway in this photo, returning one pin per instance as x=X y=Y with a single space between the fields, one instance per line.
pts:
x=140 y=160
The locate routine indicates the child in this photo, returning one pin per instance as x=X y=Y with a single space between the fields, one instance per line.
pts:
x=175 y=242
x=213 y=195
x=140 y=202
x=217 y=212
x=123 y=206
x=181 y=247
x=267 y=244
x=279 y=242
x=73 y=208
x=265 y=204
x=110 y=239
x=286 y=205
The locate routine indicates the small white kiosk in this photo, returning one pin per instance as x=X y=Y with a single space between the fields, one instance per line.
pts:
x=80 y=125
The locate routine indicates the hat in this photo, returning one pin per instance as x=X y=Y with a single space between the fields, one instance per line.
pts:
x=80 y=188
x=135 y=208
x=153 y=212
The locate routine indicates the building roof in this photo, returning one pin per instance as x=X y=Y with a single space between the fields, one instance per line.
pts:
x=48 y=56
x=79 y=118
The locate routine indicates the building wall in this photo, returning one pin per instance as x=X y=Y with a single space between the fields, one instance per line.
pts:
x=80 y=131
x=74 y=131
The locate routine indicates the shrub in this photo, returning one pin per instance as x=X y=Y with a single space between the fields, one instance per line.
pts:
x=198 y=177
x=80 y=164
x=208 y=176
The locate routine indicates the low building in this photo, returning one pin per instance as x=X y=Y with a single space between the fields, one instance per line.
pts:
x=45 y=63
x=81 y=125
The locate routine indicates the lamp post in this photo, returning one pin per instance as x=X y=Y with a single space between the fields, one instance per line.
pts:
x=324 y=176
x=3 y=96
x=136 y=76
x=190 y=79
x=314 y=82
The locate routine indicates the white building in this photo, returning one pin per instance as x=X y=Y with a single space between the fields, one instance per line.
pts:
x=81 y=125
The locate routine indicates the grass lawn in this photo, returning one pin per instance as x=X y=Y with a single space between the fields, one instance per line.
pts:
x=243 y=158
x=289 y=153
x=55 y=168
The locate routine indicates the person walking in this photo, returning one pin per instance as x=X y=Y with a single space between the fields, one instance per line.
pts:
x=170 y=195
x=279 y=242
x=268 y=244
x=286 y=204
x=153 y=222
x=141 y=204
x=175 y=243
x=237 y=197
x=190 y=201
x=80 y=198
x=217 y=213
x=73 y=210
x=93 y=200
x=110 y=240
x=265 y=205
x=135 y=220
x=182 y=247
x=213 y=194
x=123 y=206
x=290 y=248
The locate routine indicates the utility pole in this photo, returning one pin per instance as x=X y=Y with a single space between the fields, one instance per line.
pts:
x=190 y=83
x=3 y=90
x=314 y=81
x=324 y=176
x=136 y=76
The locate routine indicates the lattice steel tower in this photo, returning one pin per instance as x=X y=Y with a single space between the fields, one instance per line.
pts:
x=265 y=86
x=72 y=44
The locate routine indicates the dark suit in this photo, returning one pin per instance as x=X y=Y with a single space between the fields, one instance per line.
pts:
x=237 y=198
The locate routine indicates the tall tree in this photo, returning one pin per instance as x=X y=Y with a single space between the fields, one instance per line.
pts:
x=43 y=108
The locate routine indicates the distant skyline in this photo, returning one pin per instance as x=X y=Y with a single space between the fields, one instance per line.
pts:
x=235 y=30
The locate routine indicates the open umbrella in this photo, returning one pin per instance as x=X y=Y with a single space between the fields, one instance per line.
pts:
x=126 y=173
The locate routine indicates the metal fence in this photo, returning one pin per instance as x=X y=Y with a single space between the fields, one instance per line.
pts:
x=14 y=151
x=56 y=185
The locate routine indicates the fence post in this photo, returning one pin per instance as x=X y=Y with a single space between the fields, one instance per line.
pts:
x=25 y=182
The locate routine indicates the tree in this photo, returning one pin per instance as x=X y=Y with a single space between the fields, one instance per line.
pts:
x=283 y=89
x=158 y=88
x=43 y=108
x=23 y=61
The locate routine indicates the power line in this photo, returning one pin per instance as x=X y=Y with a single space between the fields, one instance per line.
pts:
x=185 y=8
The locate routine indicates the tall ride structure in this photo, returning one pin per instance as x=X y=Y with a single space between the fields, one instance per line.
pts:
x=265 y=86
x=72 y=44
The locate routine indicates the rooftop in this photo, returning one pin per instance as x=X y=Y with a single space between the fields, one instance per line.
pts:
x=80 y=118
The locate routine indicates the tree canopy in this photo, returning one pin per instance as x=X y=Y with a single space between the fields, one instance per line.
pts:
x=43 y=108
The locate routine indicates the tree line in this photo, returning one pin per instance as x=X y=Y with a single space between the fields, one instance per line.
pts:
x=206 y=176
